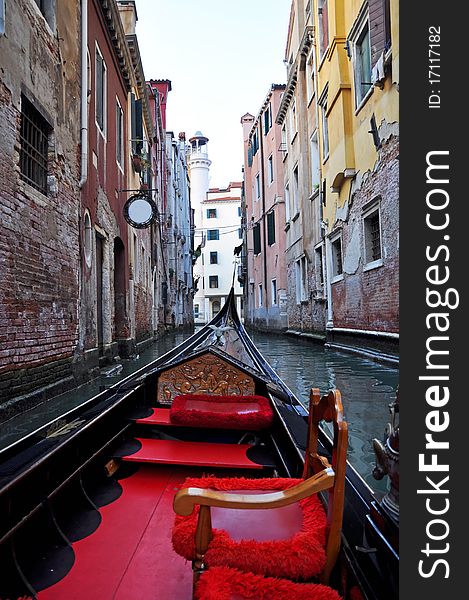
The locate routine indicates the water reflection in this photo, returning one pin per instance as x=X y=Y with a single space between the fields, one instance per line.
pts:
x=367 y=388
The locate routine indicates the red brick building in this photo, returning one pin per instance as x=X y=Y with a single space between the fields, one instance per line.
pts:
x=39 y=199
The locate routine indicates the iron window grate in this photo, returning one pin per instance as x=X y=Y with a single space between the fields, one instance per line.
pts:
x=34 y=138
x=375 y=237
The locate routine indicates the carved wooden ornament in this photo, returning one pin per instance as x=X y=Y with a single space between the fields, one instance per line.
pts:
x=206 y=374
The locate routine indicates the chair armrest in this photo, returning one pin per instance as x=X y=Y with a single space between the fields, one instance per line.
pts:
x=187 y=498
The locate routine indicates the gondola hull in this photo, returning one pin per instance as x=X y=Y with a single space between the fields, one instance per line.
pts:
x=66 y=489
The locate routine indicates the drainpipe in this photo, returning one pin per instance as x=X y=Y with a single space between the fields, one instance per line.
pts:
x=84 y=93
x=264 y=218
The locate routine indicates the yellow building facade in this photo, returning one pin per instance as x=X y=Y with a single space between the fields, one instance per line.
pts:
x=343 y=88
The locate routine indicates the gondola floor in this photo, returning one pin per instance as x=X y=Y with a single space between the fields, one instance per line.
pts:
x=130 y=554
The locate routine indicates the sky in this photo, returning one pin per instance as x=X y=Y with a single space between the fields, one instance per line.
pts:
x=221 y=57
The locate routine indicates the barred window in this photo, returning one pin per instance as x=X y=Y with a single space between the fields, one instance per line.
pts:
x=34 y=138
x=372 y=235
x=337 y=268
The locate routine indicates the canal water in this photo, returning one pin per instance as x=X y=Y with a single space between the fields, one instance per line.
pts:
x=367 y=389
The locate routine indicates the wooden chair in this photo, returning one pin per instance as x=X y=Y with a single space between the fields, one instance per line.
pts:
x=310 y=552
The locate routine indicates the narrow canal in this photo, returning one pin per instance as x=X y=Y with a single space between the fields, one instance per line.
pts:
x=367 y=389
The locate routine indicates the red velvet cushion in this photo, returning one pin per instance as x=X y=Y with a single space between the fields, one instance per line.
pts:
x=225 y=412
x=301 y=556
x=222 y=583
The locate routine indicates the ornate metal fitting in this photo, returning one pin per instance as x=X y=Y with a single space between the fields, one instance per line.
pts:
x=387 y=461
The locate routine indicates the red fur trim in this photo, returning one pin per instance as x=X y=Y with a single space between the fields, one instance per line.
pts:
x=261 y=419
x=221 y=583
x=301 y=557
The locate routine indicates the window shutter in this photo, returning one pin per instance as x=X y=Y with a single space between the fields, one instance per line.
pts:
x=380 y=29
x=256 y=234
x=271 y=228
x=139 y=125
x=133 y=123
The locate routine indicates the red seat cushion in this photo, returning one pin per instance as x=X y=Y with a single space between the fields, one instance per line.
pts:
x=225 y=412
x=222 y=583
x=297 y=550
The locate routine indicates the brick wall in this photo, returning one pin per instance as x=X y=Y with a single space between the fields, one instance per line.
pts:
x=370 y=299
x=39 y=241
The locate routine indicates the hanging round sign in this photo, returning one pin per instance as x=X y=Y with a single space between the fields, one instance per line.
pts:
x=140 y=211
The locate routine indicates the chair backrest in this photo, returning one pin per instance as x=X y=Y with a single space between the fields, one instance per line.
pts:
x=329 y=408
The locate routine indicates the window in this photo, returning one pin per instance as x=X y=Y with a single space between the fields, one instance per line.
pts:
x=310 y=85
x=47 y=8
x=136 y=262
x=196 y=311
x=274 y=292
x=100 y=91
x=256 y=235
x=287 y=202
x=214 y=258
x=372 y=236
x=323 y=25
x=271 y=228
x=136 y=124
x=213 y=281
x=318 y=267
x=267 y=119
x=325 y=128
x=119 y=135
x=240 y=233
x=239 y=211
x=284 y=144
x=336 y=250
x=215 y=307
x=258 y=186
x=34 y=140
x=2 y=17
x=255 y=143
x=296 y=185
x=213 y=234
x=270 y=168
x=362 y=63
x=259 y=295
x=293 y=124
x=315 y=174
x=211 y=213
x=301 y=280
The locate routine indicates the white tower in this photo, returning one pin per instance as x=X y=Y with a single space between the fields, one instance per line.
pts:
x=199 y=165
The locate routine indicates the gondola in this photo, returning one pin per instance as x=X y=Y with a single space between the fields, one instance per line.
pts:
x=133 y=494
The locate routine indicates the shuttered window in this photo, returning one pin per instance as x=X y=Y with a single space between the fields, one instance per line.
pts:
x=136 y=124
x=380 y=28
x=271 y=228
x=256 y=235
